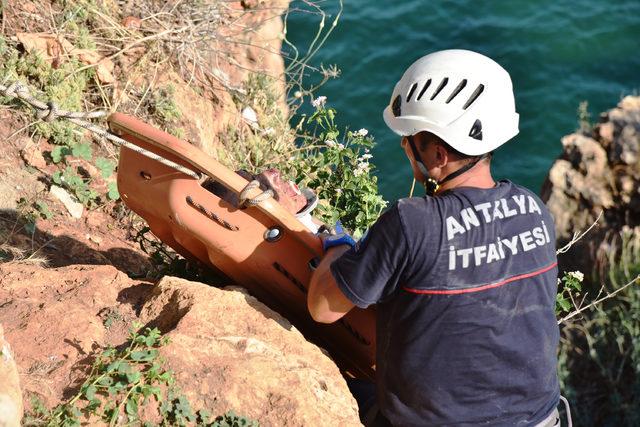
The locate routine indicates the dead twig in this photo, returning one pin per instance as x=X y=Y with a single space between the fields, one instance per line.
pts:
x=577 y=236
x=599 y=300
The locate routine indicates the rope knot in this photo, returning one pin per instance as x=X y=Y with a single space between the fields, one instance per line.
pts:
x=14 y=89
x=49 y=114
x=244 y=199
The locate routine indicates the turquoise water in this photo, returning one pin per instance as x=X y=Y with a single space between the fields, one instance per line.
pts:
x=558 y=53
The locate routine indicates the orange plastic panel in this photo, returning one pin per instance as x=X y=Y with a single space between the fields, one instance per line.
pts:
x=200 y=225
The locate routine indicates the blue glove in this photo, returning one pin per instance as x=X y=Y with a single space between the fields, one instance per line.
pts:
x=337 y=239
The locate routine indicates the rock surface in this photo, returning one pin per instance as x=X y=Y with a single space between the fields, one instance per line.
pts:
x=74 y=207
x=228 y=351
x=10 y=394
x=597 y=172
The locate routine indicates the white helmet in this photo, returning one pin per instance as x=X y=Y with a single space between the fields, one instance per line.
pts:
x=461 y=96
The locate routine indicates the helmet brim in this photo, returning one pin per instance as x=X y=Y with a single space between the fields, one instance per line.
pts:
x=411 y=125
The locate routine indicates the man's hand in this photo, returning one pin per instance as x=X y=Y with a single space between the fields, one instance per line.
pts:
x=325 y=301
x=336 y=238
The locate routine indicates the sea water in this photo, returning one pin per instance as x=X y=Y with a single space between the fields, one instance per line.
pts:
x=559 y=53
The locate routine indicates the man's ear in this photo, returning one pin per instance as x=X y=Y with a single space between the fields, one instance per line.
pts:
x=442 y=155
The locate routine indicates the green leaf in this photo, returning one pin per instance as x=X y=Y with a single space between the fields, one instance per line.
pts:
x=124 y=368
x=93 y=405
x=43 y=208
x=131 y=406
x=30 y=227
x=82 y=150
x=57 y=177
x=105 y=166
x=150 y=341
x=138 y=355
x=105 y=381
x=165 y=376
x=120 y=385
x=144 y=355
x=75 y=411
x=565 y=304
x=113 y=366
x=133 y=377
x=59 y=153
x=90 y=392
x=204 y=415
x=113 y=193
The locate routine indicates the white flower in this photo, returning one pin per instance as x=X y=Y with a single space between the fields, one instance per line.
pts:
x=578 y=275
x=330 y=143
x=362 y=132
x=365 y=157
x=297 y=94
x=338 y=190
x=341 y=146
x=319 y=101
x=361 y=168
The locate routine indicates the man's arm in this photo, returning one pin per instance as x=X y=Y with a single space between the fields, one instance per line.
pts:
x=325 y=300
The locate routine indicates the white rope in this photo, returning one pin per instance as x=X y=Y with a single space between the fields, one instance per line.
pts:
x=49 y=111
x=244 y=201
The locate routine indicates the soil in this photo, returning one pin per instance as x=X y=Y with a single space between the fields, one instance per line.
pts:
x=102 y=236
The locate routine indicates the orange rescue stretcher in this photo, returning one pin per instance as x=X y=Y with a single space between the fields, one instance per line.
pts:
x=264 y=247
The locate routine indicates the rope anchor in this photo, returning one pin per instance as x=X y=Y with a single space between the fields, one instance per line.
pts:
x=49 y=111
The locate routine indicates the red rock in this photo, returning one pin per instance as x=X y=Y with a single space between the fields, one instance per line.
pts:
x=10 y=394
x=131 y=22
x=32 y=156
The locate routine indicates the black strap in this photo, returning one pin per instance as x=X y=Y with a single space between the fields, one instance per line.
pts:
x=462 y=170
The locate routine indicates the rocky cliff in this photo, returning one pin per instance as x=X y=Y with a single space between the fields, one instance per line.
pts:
x=228 y=351
x=597 y=174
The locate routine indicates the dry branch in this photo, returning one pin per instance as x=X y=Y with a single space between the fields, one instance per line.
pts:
x=599 y=300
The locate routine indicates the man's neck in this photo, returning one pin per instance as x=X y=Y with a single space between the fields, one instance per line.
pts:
x=478 y=176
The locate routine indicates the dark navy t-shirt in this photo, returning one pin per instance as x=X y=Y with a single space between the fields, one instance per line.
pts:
x=465 y=286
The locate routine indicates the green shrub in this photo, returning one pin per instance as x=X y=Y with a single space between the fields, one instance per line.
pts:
x=600 y=354
x=334 y=164
x=121 y=383
x=337 y=167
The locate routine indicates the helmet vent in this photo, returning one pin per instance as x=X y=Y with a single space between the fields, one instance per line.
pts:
x=396 y=106
x=457 y=90
x=476 y=130
x=443 y=83
x=476 y=93
x=413 y=89
x=424 y=89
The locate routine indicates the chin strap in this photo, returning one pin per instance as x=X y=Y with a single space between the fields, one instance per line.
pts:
x=431 y=186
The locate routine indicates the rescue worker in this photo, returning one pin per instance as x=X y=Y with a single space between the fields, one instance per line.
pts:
x=464 y=279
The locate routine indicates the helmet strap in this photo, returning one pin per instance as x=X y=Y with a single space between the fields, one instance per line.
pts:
x=431 y=186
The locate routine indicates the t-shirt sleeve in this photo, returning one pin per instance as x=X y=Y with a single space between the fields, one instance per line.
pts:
x=371 y=271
